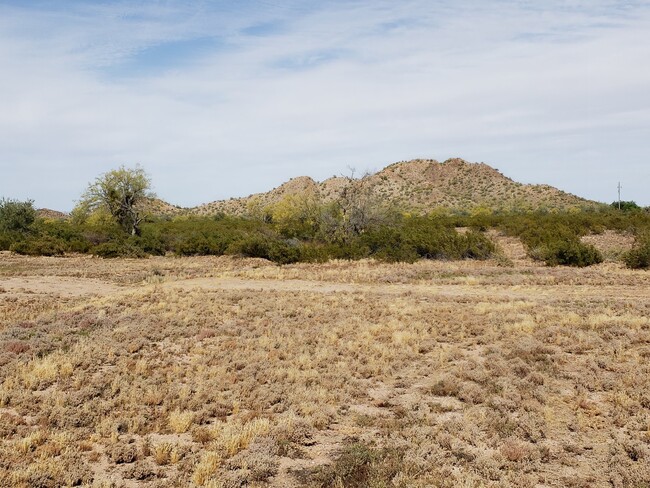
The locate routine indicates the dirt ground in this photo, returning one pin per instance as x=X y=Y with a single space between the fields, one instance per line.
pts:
x=236 y=372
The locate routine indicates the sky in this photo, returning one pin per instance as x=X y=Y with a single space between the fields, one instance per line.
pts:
x=220 y=99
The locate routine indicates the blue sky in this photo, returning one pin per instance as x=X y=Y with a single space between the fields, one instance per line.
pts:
x=217 y=99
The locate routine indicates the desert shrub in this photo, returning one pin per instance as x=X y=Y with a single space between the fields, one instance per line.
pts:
x=283 y=252
x=80 y=245
x=550 y=237
x=359 y=465
x=151 y=242
x=117 y=249
x=389 y=244
x=556 y=239
x=448 y=386
x=625 y=206
x=570 y=253
x=252 y=247
x=227 y=235
x=314 y=252
x=567 y=223
x=202 y=236
x=39 y=246
x=354 y=249
x=276 y=250
x=319 y=252
x=406 y=240
x=433 y=239
x=477 y=246
x=99 y=228
x=438 y=239
x=639 y=256
x=16 y=216
x=123 y=453
x=295 y=215
x=16 y=222
x=200 y=245
x=5 y=241
x=70 y=236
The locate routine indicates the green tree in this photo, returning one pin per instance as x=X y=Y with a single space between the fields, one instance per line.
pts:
x=16 y=216
x=120 y=192
x=626 y=206
x=297 y=214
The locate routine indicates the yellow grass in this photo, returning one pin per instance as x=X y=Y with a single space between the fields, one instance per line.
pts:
x=235 y=372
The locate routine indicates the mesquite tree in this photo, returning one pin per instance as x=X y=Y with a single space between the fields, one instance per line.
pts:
x=355 y=209
x=119 y=192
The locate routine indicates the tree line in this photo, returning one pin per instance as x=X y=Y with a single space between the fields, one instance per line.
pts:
x=110 y=221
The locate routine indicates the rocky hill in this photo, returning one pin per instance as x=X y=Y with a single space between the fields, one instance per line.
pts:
x=156 y=206
x=47 y=213
x=420 y=186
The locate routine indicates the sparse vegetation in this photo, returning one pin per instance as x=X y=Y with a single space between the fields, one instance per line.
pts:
x=223 y=371
x=390 y=349
x=342 y=218
x=555 y=238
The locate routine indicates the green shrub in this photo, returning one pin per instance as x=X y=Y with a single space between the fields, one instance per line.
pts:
x=39 y=246
x=555 y=238
x=639 y=256
x=388 y=244
x=100 y=229
x=414 y=238
x=70 y=236
x=319 y=252
x=117 y=249
x=438 y=239
x=278 y=251
x=431 y=239
x=284 y=252
x=251 y=247
x=16 y=216
x=150 y=243
x=79 y=245
x=477 y=246
x=5 y=241
x=569 y=253
x=314 y=252
x=550 y=237
x=199 y=245
x=625 y=206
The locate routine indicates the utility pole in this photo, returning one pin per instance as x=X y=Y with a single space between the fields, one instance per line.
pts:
x=619 y=195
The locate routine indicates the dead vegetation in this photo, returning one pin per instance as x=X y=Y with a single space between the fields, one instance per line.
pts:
x=224 y=372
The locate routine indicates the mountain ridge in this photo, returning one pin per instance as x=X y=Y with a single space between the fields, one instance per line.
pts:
x=420 y=186
x=417 y=186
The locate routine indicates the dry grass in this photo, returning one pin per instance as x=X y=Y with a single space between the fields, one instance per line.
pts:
x=611 y=244
x=229 y=372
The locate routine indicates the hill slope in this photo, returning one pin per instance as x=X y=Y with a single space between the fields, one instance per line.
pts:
x=420 y=186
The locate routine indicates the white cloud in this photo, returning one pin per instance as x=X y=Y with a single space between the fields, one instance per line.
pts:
x=547 y=94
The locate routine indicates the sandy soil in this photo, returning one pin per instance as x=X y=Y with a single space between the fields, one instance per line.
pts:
x=477 y=374
x=57 y=285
